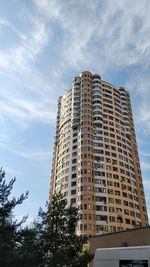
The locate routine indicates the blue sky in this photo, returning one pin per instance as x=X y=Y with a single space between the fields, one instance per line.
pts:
x=44 y=44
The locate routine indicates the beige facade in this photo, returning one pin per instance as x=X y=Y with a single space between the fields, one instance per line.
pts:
x=95 y=159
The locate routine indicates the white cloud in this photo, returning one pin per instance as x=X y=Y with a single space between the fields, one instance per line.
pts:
x=145 y=116
x=30 y=45
x=103 y=36
x=5 y=23
x=145 y=165
x=22 y=79
x=104 y=33
x=146 y=184
x=36 y=155
x=145 y=154
x=24 y=110
x=87 y=41
x=51 y=9
x=139 y=84
x=18 y=147
x=11 y=171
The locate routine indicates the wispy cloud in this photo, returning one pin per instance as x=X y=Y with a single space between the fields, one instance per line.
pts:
x=145 y=165
x=5 y=23
x=24 y=90
x=11 y=171
x=32 y=153
x=103 y=36
x=146 y=184
x=88 y=25
x=139 y=85
x=84 y=39
x=29 y=46
x=24 y=110
x=145 y=154
x=35 y=155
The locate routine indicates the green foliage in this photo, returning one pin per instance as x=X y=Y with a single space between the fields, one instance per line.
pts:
x=28 y=248
x=50 y=242
x=60 y=245
x=8 y=226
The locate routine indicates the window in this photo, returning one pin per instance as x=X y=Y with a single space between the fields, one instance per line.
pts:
x=73 y=183
x=114 y=155
x=111 y=200
x=73 y=168
x=100 y=190
x=73 y=192
x=115 y=176
x=118 y=201
x=109 y=183
x=112 y=219
x=109 y=175
x=110 y=191
x=125 y=203
x=100 y=199
x=117 y=193
x=133 y=263
x=73 y=200
x=101 y=218
x=111 y=209
x=85 y=227
x=101 y=208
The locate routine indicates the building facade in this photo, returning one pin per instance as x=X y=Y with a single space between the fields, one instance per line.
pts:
x=138 y=237
x=129 y=238
x=95 y=159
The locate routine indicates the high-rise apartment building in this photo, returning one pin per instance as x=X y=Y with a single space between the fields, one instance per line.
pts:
x=95 y=159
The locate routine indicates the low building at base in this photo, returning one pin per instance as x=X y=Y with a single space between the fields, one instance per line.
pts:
x=129 y=238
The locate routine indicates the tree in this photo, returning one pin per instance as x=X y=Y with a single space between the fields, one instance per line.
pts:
x=28 y=251
x=60 y=245
x=52 y=239
x=9 y=238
